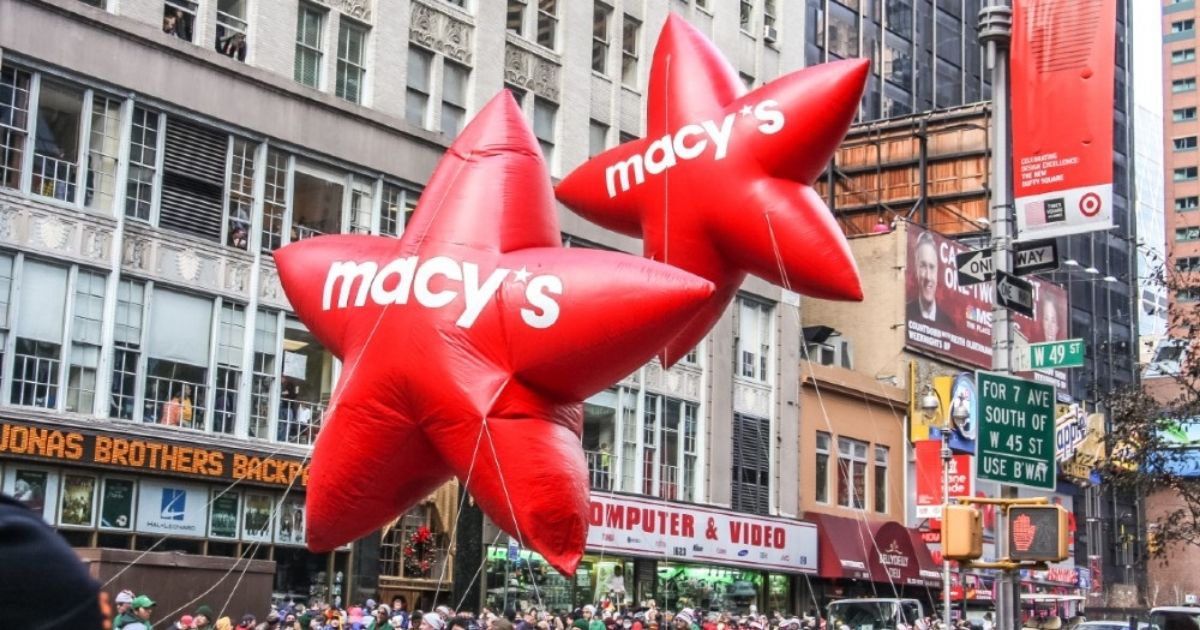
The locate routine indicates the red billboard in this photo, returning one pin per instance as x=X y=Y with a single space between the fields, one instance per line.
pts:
x=929 y=477
x=1062 y=115
x=946 y=319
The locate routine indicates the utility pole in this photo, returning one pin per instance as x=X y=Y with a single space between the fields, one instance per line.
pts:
x=995 y=33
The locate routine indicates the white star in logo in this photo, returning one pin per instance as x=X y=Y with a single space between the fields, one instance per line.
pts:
x=522 y=275
x=746 y=110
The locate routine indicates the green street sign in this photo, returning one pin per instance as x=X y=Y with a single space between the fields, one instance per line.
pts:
x=1056 y=354
x=1016 y=431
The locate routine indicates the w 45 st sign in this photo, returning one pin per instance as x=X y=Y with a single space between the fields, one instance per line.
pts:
x=1016 y=431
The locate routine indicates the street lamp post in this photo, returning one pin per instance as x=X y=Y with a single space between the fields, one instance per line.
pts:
x=946 y=420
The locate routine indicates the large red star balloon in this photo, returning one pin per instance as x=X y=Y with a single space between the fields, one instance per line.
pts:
x=468 y=345
x=722 y=184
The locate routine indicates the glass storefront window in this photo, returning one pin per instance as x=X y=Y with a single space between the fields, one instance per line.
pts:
x=778 y=594
x=707 y=588
x=307 y=384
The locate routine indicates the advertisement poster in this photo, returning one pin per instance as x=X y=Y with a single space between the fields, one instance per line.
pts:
x=34 y=487
x=172 y=508
x=256 y=518
x=291 y=522
x=929 y=477
x=78 y=503
x=944 y=318
x=224 y=520
x=116 y=505
x=1063 y=59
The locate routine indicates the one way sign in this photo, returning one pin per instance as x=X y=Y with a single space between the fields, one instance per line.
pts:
x=976 y=266
x=1014 y=294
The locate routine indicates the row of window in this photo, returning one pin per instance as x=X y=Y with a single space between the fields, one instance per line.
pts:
x=1183 y=26
x=1185 y=234
x=1187 y=264
x=1184 y=174
x=1185 y=143
x=177 y=359
x=1183 y=114
x=852 y=465
x=1187 y=84
x=99 y=152
x=1183 y=55
x=1190 y=202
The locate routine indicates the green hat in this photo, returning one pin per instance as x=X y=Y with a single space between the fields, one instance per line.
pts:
x=141 y=601
x=204 y=610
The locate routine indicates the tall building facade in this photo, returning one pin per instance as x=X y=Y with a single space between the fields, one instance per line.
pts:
x=156 y=389
x=1181 y=167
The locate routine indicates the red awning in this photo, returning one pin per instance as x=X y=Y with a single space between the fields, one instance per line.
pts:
x=930 y=571
x=843 y=546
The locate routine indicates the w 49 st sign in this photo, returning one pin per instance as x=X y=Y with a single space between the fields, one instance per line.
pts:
x=1016 y=431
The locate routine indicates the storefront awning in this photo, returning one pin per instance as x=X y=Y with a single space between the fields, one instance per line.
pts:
x=930 y=571
x=843 y=546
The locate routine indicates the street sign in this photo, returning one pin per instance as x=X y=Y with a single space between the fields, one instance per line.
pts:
x=975 y=266
x=1016 y=431
x=1047 y=355
x=1014 y=293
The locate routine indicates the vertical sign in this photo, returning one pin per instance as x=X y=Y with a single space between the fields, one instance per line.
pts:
x=1062 y=115
x=1016 y=431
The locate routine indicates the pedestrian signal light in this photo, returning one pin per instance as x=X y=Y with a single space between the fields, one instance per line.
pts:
x=962 y=532
x=1037 y=533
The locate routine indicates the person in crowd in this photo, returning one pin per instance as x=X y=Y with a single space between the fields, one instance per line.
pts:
x=248 y=622
x=203 y=618
x=124 y=611
x=400 y=610
x=142 y=608
x=224 y=623
x=184 y=623
x=432 y=621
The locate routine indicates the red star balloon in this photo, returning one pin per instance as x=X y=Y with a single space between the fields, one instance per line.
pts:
x=468 y=345
x=722 y=184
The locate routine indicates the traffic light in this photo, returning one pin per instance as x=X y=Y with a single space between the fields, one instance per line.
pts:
x=1037 y=532
x=1153 y=543
x=962 y=532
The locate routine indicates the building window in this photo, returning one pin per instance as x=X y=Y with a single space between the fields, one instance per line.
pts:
x=86 y=326
x=232 y=28
x=240 y=197
x=1183 y=85
x=316 y=202
x=177 y=362
x=230 y=340
x=398 y=206
x=454 y=96
x=630 y=30
x=1186 y=143
x=1191 y=233
x=103 y=150
x=195 y=161
x=362 y=205
x=416 y=107
x=39 y=333
x=670 y=453
x=751 y=464
x=127 y=337
x=306 y=383
x=309 y=48
x=143 y=164
x=597 y=138
x=601 y=16
x=266 y=344
x=746 y=15
x=852 y=473
x=275 y=199
x=769 y=17
x=547 y=23
x=1187 y=264
x=881 y=479
x=1183 y=56
x=753 y=343
x=821 y=492
x=544 y=114
x=14 y=121
x=1185 y=174
x=1183 y=114
x=1187 y=203
x=351 y=61
x=179 y=18
x=516 y=16
x=56 y=141
x=1182 y=26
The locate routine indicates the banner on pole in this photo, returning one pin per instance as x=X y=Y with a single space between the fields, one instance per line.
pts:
x=1063 y=62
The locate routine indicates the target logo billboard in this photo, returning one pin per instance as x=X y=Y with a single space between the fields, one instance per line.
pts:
x=1064 y=212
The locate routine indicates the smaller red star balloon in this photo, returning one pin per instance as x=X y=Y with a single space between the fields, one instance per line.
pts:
x=722 y=184
x=468 y=344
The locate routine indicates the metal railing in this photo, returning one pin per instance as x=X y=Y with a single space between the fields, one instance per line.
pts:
x=668 y=481
x=53 y=177
x=174 y=402
x=299 y=421
x=600 y=469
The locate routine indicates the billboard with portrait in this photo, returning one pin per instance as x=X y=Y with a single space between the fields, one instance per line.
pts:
x=944 y=318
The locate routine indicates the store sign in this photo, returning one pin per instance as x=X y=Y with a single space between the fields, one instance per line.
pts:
x=111 y=451
x=893 y=557
x=929 y=477
x=172 y=508
x=659 y=529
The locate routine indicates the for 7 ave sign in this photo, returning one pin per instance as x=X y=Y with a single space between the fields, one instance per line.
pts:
x=1016 y=431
